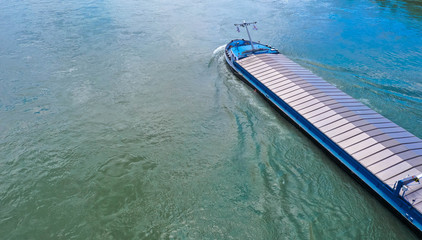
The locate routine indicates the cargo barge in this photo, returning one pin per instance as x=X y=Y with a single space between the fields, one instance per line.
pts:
x=381 y=155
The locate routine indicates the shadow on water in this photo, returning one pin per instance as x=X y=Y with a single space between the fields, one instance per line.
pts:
x=413 y=8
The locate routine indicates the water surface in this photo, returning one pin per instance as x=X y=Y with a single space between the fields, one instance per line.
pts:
x=120 y=120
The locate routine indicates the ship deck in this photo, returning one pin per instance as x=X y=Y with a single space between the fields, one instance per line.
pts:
x=387 y=151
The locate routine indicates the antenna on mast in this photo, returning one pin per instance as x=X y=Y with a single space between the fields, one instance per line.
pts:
x=245 y=25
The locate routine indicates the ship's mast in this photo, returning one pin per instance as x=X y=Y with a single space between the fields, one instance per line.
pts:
x=245 y=25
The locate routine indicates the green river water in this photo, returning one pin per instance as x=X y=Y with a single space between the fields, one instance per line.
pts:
x=120 y=119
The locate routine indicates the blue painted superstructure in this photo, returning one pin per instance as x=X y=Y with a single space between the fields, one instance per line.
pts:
x=242 y=48
x=380 y=154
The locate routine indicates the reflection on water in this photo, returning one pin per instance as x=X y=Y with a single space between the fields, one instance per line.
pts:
x=412 y=8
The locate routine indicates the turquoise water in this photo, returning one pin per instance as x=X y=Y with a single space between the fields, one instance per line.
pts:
x=120 y=120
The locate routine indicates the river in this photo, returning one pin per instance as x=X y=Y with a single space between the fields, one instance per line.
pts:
x=120 y=119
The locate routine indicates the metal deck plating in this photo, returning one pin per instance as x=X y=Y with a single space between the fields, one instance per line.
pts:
x=382 y=155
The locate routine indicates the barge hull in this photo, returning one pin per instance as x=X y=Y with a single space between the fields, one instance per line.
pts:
x=374 y=150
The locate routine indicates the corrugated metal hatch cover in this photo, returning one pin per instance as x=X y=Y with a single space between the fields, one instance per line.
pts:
x=387 y=150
